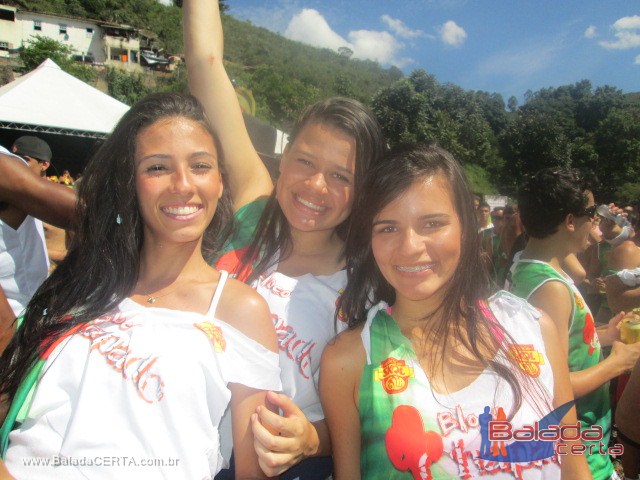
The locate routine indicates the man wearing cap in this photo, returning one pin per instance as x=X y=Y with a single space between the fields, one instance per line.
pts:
x=24 y=195
x=35 y=152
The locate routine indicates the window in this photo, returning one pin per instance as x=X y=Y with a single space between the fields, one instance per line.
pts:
x=4 y=46
x=63 y=29
x=37 y=25
x=6 y=14
x=89 y=32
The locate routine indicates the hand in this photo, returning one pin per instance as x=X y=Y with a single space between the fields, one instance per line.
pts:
x=282 y=441
x=625 y=356
x=611 y=332
x=600 y=284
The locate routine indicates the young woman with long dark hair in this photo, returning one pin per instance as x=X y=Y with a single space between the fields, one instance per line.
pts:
x=134 y=347
x=410 y=388
x=291 y=242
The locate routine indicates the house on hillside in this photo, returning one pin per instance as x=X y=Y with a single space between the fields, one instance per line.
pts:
x=93 y=41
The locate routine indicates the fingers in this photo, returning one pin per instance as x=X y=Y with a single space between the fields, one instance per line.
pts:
x=268 y=440
x=284 y=403
x=276 y=453
x=291 y=426
x=615 y=321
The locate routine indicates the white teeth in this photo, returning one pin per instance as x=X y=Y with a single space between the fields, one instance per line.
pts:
x=186 y=210
x=317 y=208
x=416 y=268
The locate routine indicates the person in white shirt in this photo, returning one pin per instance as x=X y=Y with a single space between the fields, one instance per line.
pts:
x=132 y=350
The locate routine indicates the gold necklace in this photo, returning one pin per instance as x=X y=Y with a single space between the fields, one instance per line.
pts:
x=152 y=298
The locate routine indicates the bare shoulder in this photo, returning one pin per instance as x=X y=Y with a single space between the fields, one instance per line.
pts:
x=554 y=298
x=244 y=309
x=345 y=353
x=625 y=255
x=551 y=291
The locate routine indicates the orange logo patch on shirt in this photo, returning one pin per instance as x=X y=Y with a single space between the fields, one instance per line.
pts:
x=394 y=375
x=527 y=358
x=579 y=302
x=214 y=334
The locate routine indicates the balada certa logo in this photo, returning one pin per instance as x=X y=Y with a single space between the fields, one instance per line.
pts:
x=548 y=437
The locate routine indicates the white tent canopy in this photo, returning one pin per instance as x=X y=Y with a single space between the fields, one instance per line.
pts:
x=47 y=99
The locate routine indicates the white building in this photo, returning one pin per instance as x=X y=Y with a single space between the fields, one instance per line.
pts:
x=94 y=41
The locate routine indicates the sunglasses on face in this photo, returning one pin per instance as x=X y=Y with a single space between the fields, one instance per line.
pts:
x=589 y=211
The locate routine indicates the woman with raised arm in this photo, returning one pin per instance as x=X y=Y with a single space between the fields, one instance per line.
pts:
x=134 y=347
x=410 y=389
x=291 y=241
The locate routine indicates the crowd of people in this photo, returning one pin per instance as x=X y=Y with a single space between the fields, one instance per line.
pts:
x=366 y=317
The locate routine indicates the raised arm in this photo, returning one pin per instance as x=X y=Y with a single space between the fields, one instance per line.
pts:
x=38 y=197
x=209 y=82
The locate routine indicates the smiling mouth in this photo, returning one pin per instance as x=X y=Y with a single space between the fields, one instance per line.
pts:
x=312 y=206
x=415 y=268
x=182 y=210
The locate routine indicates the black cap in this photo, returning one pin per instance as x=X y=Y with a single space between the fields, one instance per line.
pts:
x=28 y=146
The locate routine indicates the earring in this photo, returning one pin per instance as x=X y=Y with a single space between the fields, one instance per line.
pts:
x=118 y=219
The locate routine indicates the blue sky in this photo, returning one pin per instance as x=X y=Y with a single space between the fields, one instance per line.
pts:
x=500 y=46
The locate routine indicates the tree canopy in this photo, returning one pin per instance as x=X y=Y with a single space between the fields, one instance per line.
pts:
x=577 y=125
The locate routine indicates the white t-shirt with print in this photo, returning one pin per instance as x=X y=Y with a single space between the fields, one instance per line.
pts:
x=140 y=386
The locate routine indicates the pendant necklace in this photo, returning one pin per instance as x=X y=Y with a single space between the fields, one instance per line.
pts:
x=152 y=298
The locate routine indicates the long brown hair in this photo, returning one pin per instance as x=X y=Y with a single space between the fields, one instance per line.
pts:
x=102 y=265
x=462 y=311
x=272 y=240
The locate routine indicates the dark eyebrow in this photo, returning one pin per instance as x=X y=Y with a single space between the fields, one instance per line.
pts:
x=311 y=156
x=163 y=156
x=429 y=216
x=383 y=222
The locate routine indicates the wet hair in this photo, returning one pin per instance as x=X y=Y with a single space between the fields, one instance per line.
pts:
x=546 y=197
x=273 y=235
x=461 y=311
x=102 y=265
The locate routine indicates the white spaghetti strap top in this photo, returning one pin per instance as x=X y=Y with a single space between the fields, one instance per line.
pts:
x=218 y=293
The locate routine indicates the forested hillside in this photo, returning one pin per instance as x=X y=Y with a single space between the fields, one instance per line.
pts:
x=596 y=128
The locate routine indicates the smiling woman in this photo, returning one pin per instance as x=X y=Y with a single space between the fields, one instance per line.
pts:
x=404 y=390
x=177 y=179
x=135 y=347
x=290 y=242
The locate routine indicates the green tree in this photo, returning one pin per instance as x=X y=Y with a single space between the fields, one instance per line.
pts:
x=533 y=141
x=617 y=143
x=126 y=87
x=479 y=180
x=40 y=48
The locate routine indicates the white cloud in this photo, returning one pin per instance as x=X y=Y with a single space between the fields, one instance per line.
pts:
x=399 y=28
x=591 y=32
x=379 y=46
x=637 y=61
x=452 y=34
x=310 y=27
x=627 y=33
